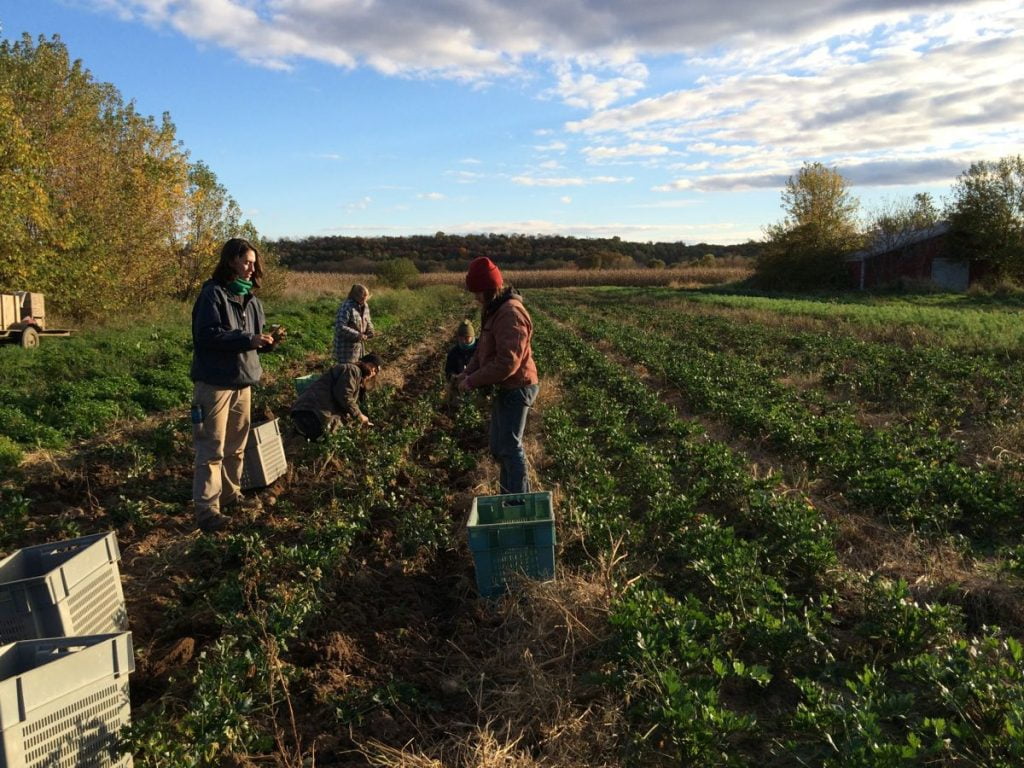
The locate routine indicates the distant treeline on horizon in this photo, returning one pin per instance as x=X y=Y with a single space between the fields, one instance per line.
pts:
x=443 y=252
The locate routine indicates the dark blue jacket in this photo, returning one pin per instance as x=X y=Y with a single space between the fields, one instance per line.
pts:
x=223 y=327
x=458 y=358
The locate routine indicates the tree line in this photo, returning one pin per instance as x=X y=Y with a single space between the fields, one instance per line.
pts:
x=101 y=208
x=823 y=224
x=446 y=252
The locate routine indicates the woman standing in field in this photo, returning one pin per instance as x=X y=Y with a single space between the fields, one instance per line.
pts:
x=353 y=325
x=504 y=359
x=227 y=331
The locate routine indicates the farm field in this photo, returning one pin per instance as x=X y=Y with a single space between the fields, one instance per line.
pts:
x=790 y=534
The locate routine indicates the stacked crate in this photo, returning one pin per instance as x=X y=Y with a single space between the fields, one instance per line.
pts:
x=62 y=589
x=65 y=655
x=63 y=701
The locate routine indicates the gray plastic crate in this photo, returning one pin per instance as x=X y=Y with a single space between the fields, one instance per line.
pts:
x=65 y=588
x=64 y=700
x=511 y=534
x=264 y=456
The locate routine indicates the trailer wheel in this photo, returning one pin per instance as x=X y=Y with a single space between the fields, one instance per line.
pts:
x=30 y=338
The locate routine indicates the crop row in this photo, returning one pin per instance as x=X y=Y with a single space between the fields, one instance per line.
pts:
x=945 y=387
x=906 y=472
x=275 y=580
x=738 y=640
x=967 y=323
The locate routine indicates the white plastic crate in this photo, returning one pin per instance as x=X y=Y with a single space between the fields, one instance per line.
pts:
x=264 y=456
x=65 y=588
x=64 y=700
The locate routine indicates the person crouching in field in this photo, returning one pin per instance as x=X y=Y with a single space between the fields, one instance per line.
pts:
x=335 y=397
x=458 y=358
x=504 y=359
x=353 y=325
x=227 y=334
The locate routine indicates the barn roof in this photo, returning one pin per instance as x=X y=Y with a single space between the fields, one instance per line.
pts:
x=899 y=242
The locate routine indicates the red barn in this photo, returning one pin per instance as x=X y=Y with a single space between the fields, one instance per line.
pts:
x=924 y=254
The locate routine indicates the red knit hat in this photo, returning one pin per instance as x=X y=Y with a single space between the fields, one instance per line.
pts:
x=483 y=275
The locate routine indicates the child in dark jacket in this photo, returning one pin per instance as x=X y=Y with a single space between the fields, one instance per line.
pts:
x=460 y=354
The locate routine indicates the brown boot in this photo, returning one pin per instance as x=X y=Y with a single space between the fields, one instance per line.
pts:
x=243 y=505
x=212 y=522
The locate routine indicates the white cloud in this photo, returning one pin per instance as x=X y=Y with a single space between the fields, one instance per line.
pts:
x=874 y=173
x=358 y=205
x=589 y=90
x=431 y=196
x=566 y=199
x=595 y=48
x=666 y=204
x=740 y=92
x=572 y=181
x=701 y=166
x=465 y=177
x=602 y=153
x=937 y=91
x=711 y=148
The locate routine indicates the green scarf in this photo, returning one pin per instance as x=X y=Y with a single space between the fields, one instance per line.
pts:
x=239 y=286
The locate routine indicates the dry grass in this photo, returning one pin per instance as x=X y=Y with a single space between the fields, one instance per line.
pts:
x=524 y=675
x=935 y=570
x=307 y=285
x=567 y=278
x=318 y=285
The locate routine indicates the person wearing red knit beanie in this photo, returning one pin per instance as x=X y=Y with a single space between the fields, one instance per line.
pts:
x=483 y=275
x=503 y=360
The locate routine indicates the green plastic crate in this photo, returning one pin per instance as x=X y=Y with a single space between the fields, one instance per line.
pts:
x=302 y=383
x=511 y=534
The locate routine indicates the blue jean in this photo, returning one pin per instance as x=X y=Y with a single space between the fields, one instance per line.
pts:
x=508 y=422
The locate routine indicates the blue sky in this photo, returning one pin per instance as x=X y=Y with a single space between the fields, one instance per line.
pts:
x=650 y=120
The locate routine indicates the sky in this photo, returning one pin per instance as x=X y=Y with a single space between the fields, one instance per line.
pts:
x=650 y=120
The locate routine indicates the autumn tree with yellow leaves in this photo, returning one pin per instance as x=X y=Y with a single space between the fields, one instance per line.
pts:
x=100 y=207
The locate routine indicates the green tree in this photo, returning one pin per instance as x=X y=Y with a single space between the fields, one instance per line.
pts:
x=987 y=214
x=24 y=204
x=207 y=217
x=397 y=273
x=604 y=259
x=99 y=206
x=806 y=249
x=102 y=183
x=895 y=220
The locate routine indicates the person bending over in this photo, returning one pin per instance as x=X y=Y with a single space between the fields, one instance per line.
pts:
x=335 y=397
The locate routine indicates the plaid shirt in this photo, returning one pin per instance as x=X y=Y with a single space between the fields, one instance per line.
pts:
x=348 y=324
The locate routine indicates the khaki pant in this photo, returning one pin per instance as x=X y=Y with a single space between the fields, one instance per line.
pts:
x=219 y=441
